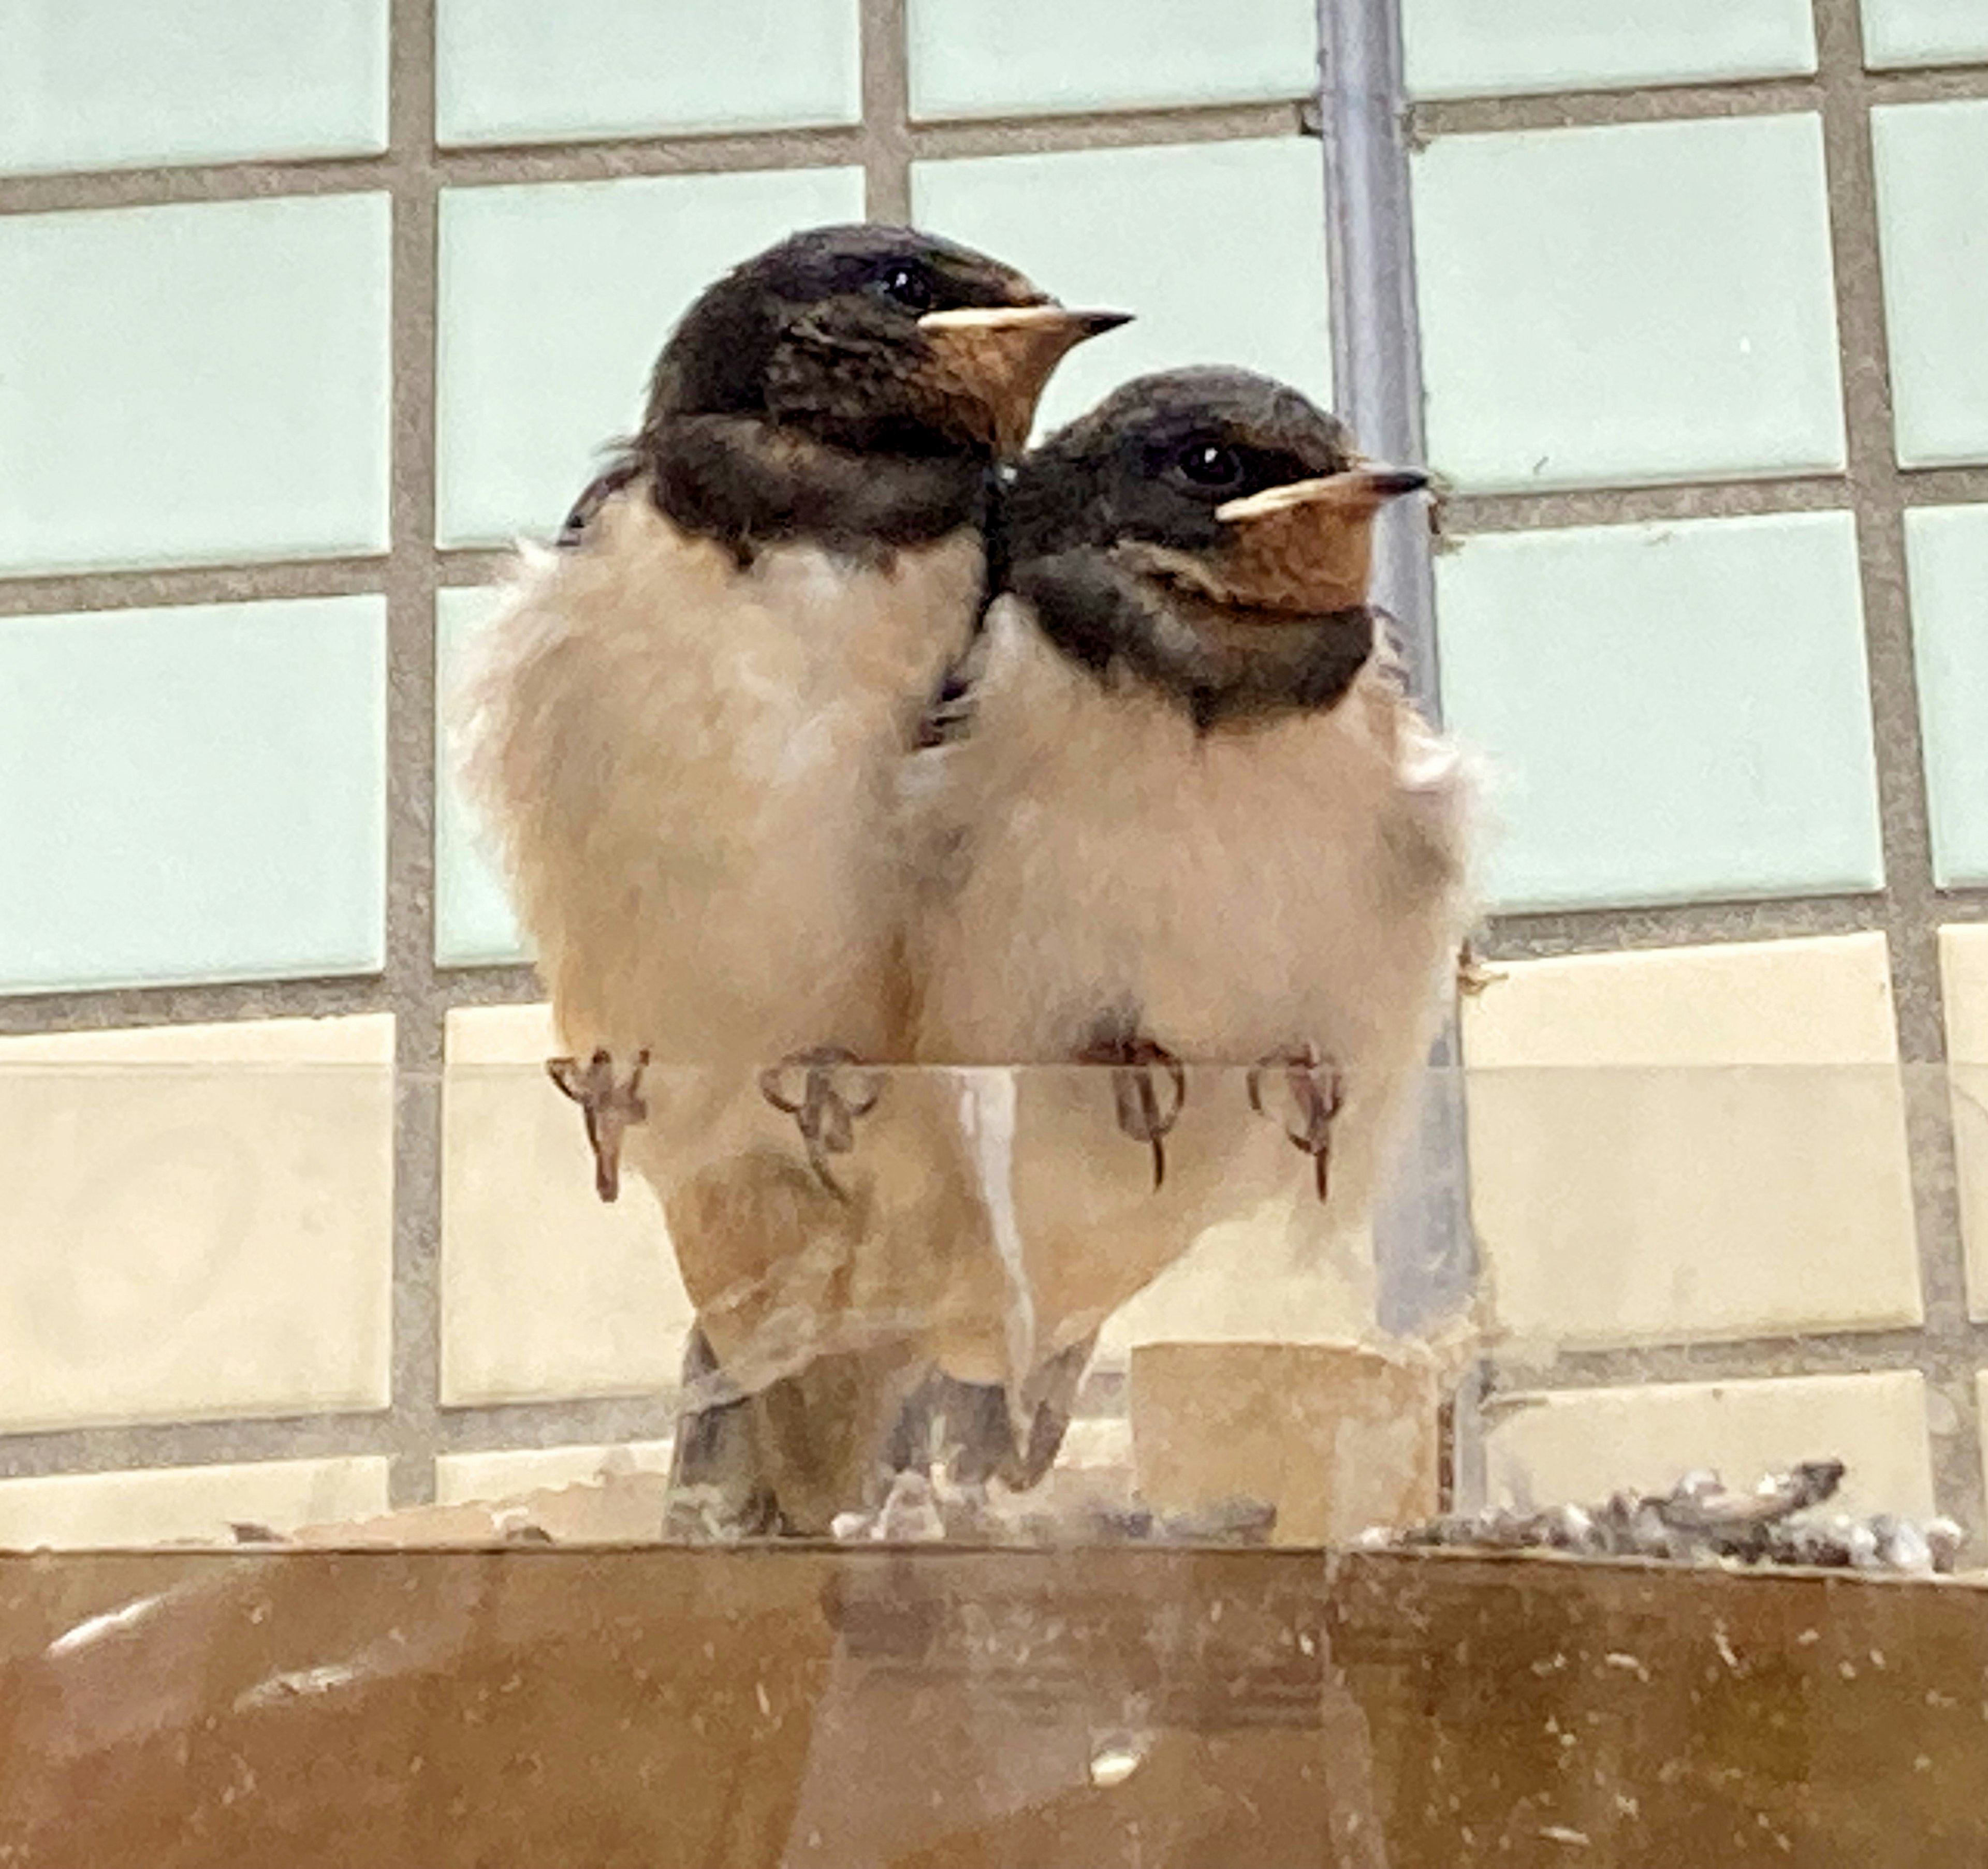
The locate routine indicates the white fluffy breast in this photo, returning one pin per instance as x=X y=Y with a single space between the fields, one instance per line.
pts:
x=689 y=765
x=1298 y=880
x=1242 y=892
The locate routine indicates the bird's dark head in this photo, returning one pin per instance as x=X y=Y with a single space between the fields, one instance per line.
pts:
x=877 y=339
x=1211 y=530
x=1235 y=484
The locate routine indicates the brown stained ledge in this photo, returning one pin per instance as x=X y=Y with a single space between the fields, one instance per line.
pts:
x=1093 y=1708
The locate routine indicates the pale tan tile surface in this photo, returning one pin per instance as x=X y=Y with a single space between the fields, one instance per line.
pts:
x=1825 y=1000
x=1266 y=1279
x=1963 y=967
x=1981 y=1404
x=546 y=1291
x=162 y=1505
x=504 y=1473
x=195 y=1221
x=1583 y=1446
x=1693 y=1143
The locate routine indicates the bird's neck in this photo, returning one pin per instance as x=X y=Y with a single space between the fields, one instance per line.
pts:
x=747 y=483
x=1219 y=666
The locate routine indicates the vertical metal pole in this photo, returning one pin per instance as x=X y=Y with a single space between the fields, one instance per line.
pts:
x=1427 y=1262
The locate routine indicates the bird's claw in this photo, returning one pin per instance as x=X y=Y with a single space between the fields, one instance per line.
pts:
x=834 y=1091
x=1318 y=1093
x=610 y=1105
x=1473 y=975
x=1137 y=1067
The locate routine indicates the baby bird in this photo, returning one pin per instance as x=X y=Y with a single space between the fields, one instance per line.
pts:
x=686 y=730
x=1176 y=812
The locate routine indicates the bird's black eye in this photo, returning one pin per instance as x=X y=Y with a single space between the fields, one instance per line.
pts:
x=1209 y=464
x=910 y=286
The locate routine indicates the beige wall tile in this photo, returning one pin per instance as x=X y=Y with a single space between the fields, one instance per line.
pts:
x=1963 y=966
x=1263 y=1279
x=1694 y=1143
x=546 y=1291
x=506 y=1472
x=1825 y=1000
x=1582 y=1446
x=196 y=1220
x=1981 y=1406
x=160 y=1506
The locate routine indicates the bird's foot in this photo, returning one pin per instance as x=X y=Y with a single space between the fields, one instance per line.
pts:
x=1472 y=975
x=1150 y=1085
x=1317 y=1094
x=611 y=1105
x=826 y=1091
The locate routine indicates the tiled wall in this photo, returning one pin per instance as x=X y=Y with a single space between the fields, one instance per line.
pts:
x=304 y=314
x=1700 y=370
x=306 y=310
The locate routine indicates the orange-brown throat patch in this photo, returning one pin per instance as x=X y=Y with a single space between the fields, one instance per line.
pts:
x=1306 y=547
x=993 y=362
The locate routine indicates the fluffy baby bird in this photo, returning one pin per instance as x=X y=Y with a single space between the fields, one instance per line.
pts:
x=686 y=731
x=1177 y=812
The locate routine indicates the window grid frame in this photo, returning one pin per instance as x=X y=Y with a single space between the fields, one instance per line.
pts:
x=1369 y=129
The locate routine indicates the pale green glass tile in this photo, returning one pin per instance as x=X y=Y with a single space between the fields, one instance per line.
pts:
x=1924 y=33
x=523 y=71
x=474 y=923
x=1022 y=57
x=1933 y=227
x=1628 y=304
x=1674 y=713
x=196 y=793
x=190 y=384
x=1219 y=247
x=555 y=301
x=1946 y=556
x=1472 y=48
x=103 y=84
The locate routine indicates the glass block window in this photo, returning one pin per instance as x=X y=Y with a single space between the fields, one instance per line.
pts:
x=307 y=311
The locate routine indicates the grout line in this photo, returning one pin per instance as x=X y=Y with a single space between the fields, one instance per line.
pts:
x=1432 y=117
x=502 y=984
x=1949 y=84
x=1465 y=514
x=824 y=146
x=100 y=1009
x=105 y=1009
x=834 y=145
x=1549 y=933
x=501 y=1425
x=410 y=750
x=193 y=1444
x=1843 y=1352
x=72 y=192
x=938 y=142
x=1439 y=116
x=1877 y=494
x=538 y=165
x=886 y=143
x=475 y=566
x=45 y=594
x=1912 y=902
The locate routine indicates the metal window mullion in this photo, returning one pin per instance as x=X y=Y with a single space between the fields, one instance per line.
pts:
x=1426 y=1256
